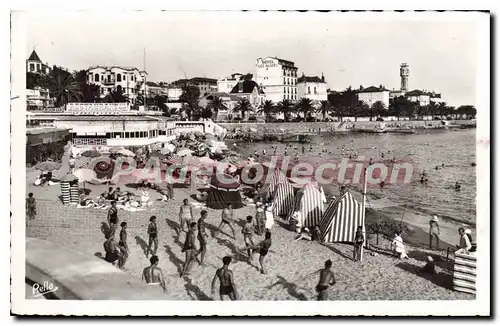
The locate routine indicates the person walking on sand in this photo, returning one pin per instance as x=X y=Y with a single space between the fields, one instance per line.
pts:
x=260 y=219
x=123 y=242
x=152 y=235
x=227 y=219
x=359 y=239
x=202 y=236
x=153 y=275
x=434 y=231
x=226 y=279
x=263 y=248
x=326 y=279
x=113 y=217
x=185 y=214
x=30 y=207
x=248 y=231
x=189 y=248
x=398 y=246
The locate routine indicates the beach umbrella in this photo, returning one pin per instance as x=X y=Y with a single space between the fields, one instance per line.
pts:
x=69 y=177
x=48 y=166
x=125 y=152
x=114 y=149
x=184 y=152
x=85 y=175
x=91 y=153
x=253 y=130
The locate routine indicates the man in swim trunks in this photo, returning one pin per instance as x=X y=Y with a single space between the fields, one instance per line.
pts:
x=263 y=248
x=189 y=248
x=202 y=235
x=227 y=219
x=113 y=217
x=153 y=274
x=326 y=278
x=153 y=235
x=226 y=278
x=123 y=243
x=248 y=230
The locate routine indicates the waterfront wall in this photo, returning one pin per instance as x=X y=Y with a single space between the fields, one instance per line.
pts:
x=81 y=277
x=298 y=127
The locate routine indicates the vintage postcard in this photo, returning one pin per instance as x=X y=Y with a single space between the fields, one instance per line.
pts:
x=293 y=163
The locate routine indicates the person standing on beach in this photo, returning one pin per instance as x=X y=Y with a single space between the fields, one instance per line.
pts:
x=185 y=214
x=153 y=275
x=30 y=207
x=113 y=217
x=202 y=236
x=359 y=239
x=123 y=242
x=112 y=251
x=434 y=231
x=260 y=219
x=189 y=248
x=248 y=231
x=227 y=219
x=226 y=278
x=153 y=236
x=263 y=248
x=326 y=279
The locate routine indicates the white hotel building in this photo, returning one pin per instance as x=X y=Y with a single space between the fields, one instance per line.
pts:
x=277 y=79
x=132 y=80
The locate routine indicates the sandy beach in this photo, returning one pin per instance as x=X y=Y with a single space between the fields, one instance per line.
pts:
x=291 y=265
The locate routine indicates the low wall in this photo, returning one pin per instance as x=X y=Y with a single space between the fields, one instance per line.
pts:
x=80 y=277
x=329 y=126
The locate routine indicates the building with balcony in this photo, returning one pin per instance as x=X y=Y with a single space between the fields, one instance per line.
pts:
x=38 y=99
x=313 y=88
x=131 y=80
x=205 y=85
x=35 y=65
x=277 y=78
x=372 y=94
x=423 y=97
x=228 y=100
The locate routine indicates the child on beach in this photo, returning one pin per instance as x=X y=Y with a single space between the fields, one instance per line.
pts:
x=397 y=246
x=247 y=231
x=434 y=231
x=30 y=207
x=359 y=239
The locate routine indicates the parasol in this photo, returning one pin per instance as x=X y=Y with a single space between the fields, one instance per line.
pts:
x=91 y=153
x=48 y=166
x=126 y=152
x=69 y=177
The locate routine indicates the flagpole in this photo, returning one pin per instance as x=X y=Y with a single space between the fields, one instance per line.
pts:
x=363 y=208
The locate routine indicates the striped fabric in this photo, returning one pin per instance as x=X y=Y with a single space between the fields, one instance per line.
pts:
x=276 y=179
x=309 y=202
x=74 y=194
x=66 y=196
x=283 y=199
x=464 y=272
x=341 y=219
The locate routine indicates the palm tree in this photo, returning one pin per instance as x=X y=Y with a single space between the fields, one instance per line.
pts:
x=215 y=105
x=63 y=86
x=243 y=106
x=359 y=110
x=305 y=106
x=325 y=108
x=377 y=108
x=267 y=108
x=285 y=107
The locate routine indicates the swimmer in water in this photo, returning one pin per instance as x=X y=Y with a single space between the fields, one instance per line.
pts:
x=226 y=279
x=457 y=186
x=326 y=279
x=370 y=162
x=382 y=155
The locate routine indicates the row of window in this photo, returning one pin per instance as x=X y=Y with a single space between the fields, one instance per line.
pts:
x=125 y=90
x=290 y=90
x=309 y=90
x=101 y=140
x=288 y=81
x=289 y=97
x=109 y=78
x=290 y=73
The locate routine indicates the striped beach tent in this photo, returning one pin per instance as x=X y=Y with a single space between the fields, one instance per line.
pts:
x=309 y=203
x=275 y=180
x=341 y=219
x=283 y=198
x=464 y=272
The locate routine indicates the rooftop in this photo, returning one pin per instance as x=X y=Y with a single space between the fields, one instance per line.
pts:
x=310 y=79
x=120 y=67
x=107 y=117
x=373 y=89
x=248 y=87
x=418 y=92
x=34 y=57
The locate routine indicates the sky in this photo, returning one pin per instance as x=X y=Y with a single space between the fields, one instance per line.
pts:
x=348 y=49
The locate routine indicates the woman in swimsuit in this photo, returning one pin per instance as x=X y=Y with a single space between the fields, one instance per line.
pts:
x=434 y=231
x=113 y=217
x=185 y=214
x=226 y=278
x=153 y=235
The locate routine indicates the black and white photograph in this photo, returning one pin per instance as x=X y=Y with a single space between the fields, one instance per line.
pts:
x=260 y=157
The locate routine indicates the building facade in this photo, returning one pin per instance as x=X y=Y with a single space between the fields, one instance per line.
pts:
x=404 y=73
x=225 y=85
x=250 y=90
x=131 y=80
x=38 y=99
x=313 y=88
x=277 y=79
x=422 y=97
x=374 y=94
x=35 y=65
x=205 y=85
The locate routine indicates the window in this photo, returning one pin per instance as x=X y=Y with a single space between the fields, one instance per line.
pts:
x=96 y=77
x=32 y=67
x=127 y=134
x=315 y=90
x=137 y=134
x=119 y=78
x=131 y=77
x=284 y=89
x=109 y=89
x=308 y=89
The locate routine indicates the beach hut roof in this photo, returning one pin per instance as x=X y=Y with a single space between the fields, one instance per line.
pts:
x=341 y=219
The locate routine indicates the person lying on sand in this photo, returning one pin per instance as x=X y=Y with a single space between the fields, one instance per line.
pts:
x=326 y=279
x=226 y=279
x=153 y=275
x=304 y=234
